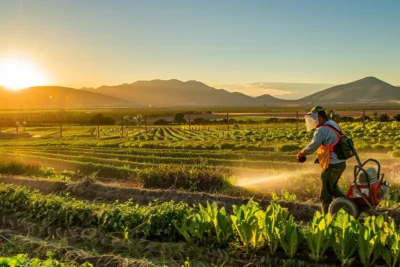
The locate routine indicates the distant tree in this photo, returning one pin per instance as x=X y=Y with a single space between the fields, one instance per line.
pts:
x=161 y=122
x=179 y=118
x=384 y=117
x=100 y=118
x=198 y=120
x=347 y=119
x=397 y=117
x=271 y=120
x=360 y=119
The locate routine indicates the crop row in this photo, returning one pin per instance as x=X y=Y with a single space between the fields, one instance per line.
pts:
x=169 y=153
x=66 y=251
x=136 y=161
x=160 y=176
x=133 y=166
x=22 y=260
x=249 y=227
x=76 y=244
x=199 y=178
x=381 y=132
x=217 y=157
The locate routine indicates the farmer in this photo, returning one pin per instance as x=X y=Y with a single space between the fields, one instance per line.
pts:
x=324 y=140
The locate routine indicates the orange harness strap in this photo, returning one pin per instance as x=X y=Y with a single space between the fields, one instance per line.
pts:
x=324 y=154
x=337 y=133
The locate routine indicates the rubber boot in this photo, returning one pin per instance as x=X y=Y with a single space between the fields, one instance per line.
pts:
x=325 y=208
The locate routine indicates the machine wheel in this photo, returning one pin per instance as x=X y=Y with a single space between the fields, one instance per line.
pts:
x=346 y=204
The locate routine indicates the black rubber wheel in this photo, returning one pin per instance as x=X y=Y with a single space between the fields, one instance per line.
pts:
x=346 y=204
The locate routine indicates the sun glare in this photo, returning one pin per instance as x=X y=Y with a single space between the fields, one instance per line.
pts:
x=18 y=73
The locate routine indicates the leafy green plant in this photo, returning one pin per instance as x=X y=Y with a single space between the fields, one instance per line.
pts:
x=391 y=250
x=248 y=223
x=290 y=237
x=285 y=196
x=319 y=235
x=370 y=239
x=22 y=260
x=275 y=218
x=221 y=223
x=159 y=220
x=184 y=227
x=344 y=236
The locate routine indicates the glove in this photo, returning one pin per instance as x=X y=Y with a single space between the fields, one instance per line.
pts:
x=301 y=156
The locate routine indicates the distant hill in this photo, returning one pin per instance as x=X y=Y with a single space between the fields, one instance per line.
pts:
x=193 y=93
x=176 y=93
x=54 y=97
x=369 y=89
x=269 y=99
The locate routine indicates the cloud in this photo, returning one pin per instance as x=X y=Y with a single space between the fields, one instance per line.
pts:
x=278 y=89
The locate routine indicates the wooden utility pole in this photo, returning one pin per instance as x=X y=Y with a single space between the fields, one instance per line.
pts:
x=98 y=127
x=145 y=123
x=363 y=118
x=227 y=119
x=297 y=120
x=190 y=128
x=122 y=127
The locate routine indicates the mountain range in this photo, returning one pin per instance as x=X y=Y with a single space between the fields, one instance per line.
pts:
x=169 y=93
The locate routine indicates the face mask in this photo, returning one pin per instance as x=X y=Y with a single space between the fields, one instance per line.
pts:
x=311 y=121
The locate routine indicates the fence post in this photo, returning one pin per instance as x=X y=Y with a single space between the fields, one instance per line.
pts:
x=297 y=120
x=364 y=118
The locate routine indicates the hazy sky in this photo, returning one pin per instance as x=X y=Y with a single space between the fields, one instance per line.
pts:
x=244 y=45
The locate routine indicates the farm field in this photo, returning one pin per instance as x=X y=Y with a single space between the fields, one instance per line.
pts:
x=198 y=196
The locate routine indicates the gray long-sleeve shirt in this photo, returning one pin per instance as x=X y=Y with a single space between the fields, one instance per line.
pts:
x=326 y=136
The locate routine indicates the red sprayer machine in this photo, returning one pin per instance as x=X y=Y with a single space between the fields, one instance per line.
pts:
x=368 y=189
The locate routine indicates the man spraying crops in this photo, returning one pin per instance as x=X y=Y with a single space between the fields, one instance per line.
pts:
x=326 y=137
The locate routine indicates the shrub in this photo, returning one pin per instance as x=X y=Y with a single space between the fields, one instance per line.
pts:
x=182 y=177
x=161 y=122
x=226 y=146
x=287 y=147
x=16 y=167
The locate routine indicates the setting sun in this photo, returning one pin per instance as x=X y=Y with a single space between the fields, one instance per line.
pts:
x=18 y=73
